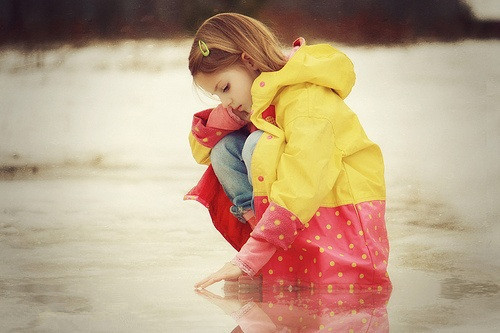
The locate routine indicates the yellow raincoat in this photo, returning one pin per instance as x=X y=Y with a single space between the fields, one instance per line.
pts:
x=318 y=180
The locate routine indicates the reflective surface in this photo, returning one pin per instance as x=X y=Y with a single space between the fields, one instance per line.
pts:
x=105 y=253
x=287 y=309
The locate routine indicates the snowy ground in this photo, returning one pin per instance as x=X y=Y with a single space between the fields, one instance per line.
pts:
x=95 y=235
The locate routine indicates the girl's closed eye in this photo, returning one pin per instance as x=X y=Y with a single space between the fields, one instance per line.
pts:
x=226 y=88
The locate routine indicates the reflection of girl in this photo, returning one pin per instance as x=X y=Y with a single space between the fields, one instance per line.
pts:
x=303 y=311
x=307 y=171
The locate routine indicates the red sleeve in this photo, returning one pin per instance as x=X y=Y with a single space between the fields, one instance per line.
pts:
x=223 y=118
x=277 y=226
x=206 y=135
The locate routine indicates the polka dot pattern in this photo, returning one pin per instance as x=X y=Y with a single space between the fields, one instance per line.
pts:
x=325 y=309
x=206 y=136
x=341 y=245
x=277 y=226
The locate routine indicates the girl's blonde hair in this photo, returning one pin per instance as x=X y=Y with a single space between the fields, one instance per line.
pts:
x=227 y=36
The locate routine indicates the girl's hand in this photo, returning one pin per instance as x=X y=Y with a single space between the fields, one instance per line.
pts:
x=228 y=272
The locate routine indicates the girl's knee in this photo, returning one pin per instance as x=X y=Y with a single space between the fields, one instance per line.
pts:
x=229 y=146
x=249 y=146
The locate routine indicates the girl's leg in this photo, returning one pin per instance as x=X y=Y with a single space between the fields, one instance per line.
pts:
x=227 y=161
x=246 y=154
x=248 y=149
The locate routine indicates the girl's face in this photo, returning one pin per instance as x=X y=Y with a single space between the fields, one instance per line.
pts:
x=232 y=86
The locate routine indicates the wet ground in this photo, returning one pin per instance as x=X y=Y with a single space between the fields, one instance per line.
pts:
x=116 y=252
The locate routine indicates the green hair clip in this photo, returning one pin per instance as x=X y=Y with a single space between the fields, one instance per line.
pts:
x=203 y=48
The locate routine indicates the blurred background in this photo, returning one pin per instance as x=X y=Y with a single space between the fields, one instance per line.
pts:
x=96 y=103
x=31 y=22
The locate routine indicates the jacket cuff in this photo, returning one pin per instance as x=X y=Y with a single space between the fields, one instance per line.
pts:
x=225 y=119
x=277 y=226
x=254 y=255
x=205 y=135
x=243 y=311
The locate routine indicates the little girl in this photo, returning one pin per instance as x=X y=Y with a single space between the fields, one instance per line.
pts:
x=293 y=181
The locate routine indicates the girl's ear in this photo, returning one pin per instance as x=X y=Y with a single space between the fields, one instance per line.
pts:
x=248 y=61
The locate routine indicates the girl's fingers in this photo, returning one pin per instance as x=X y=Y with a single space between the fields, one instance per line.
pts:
x=208 y=294
x=200 y=283
x=211 y=281
x=229 y=271
x=207 y=282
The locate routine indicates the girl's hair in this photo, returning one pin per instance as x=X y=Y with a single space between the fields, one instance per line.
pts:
x=227 y=36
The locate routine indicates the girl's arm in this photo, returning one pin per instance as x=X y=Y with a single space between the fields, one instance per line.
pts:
x=250 y=259
x=254 y=254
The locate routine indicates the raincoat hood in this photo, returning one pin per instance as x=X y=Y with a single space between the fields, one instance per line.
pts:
x=320 y=64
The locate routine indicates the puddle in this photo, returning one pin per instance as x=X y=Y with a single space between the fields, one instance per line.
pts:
x=80 y=255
